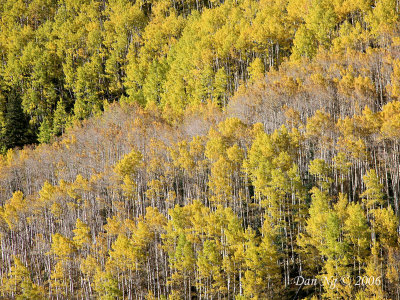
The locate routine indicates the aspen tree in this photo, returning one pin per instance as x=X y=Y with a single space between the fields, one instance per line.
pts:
x=82 y=234
x=358 y=234
x=18 y=284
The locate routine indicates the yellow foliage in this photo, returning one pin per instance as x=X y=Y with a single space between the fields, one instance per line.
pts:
x=320 y=125
x=235 y=154
x=13 y=209
x=391 y=120
x=62 y=247
x=128 y=165
x=82 y=234
x=113 y=226
x=215 y=146
x=89 y=265
x=46 y=193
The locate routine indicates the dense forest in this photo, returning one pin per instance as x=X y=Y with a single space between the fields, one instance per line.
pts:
x=235 y=149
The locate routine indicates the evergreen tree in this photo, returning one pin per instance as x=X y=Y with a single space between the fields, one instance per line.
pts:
x=16 y=125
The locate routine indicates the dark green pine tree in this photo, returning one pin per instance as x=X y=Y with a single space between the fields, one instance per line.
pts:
x=15 y=131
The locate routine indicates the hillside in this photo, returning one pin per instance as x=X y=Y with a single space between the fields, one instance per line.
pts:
x=62 y=60
x=199 y=150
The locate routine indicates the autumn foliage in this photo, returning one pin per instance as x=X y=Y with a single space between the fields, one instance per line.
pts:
x=199 y=149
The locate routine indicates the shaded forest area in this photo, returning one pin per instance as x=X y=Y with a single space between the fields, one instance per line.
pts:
x=199 y=149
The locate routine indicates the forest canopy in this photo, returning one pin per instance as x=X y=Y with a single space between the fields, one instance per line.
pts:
x=199 y=149
x=62 y=60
